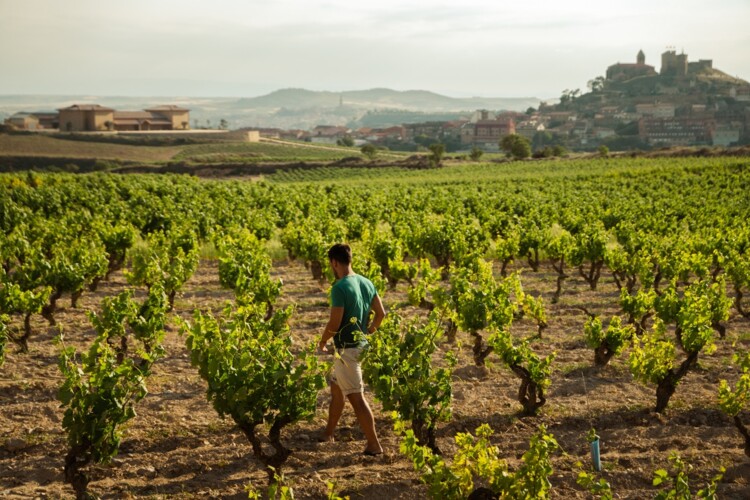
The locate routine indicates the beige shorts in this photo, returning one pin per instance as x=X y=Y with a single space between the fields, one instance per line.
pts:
x=347 y=371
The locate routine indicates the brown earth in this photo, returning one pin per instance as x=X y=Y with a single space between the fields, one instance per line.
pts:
x=40 y=145
x=177 y=446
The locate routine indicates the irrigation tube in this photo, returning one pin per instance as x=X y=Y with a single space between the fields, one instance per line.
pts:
x=595 y=456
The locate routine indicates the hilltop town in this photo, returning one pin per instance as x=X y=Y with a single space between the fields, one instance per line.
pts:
x=632 y=106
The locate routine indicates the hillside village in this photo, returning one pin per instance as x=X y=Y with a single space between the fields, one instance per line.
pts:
x=633 y=106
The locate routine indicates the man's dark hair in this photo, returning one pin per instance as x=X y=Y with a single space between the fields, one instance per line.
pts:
x=341 y=253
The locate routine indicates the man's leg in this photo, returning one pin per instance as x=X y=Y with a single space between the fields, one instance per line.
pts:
x=366 y=421
x=335 y=409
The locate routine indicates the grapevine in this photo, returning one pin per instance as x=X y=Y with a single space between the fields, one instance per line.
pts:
x=252 y=374
x=478 y=461
x=734 y=401
x=654 y=360
x=398 y=367
x=607 y=343
x=100 y=392
x=14 y=300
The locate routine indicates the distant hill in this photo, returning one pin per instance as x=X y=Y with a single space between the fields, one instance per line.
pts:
x=289 y=108
x=413 y=100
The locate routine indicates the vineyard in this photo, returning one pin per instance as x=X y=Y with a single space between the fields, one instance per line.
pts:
x=35 y=148
x=269 y=151
x=158 y=333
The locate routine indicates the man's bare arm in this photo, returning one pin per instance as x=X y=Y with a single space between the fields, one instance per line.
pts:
x=379 y=313
x=337 y=314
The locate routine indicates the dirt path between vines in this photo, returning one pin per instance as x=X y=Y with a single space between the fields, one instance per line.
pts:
x=178 y=447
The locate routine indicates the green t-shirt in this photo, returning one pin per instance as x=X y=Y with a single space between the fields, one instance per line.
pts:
x=354 y=293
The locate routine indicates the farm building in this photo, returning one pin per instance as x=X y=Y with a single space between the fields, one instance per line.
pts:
x=33 y=121
x=93 y=118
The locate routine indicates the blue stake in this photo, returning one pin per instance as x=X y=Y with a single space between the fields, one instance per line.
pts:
x=595 y=456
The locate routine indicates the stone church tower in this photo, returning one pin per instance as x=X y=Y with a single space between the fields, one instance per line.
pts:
x=641 y=57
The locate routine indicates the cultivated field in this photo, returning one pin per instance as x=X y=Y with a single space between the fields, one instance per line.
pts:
x=177 y=446
x=44 y=146
x=666 y=225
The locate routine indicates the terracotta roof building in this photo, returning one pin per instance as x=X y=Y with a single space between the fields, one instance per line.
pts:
x=486 y=132
x=93 y=117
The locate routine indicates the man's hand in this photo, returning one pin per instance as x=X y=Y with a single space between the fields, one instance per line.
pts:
x=322 y=345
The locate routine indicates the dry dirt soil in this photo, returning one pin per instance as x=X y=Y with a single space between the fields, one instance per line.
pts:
x=178 y=447
x=44 y=146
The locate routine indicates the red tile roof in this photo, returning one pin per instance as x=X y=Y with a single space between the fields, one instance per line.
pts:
x=167 y=107
x=85 y=107
x=138 y=117
x=133 y=114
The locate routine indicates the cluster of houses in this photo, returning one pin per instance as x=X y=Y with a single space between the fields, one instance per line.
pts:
x=655 y=124
x=483 y=129
x=675 y=110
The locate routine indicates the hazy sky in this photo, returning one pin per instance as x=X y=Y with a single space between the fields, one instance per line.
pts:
x=495 y=48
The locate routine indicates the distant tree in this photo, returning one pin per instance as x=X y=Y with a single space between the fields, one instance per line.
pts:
x=530 y=110
x=437 y=151
x=626 y=143
x=627 y=129
x=346 y=141
x=545 y=152
x=476 y=153
x=195 y=123
x=541 y=139
x=550 y=151
x=423 y=140
x=568 y=96
x=597 y=84
x=223 y=124
x=208 y=123
x=452 y=144
x=545 y=138
x=516 y=146
x=603 y=150
x=185 y=125
x=369 y=151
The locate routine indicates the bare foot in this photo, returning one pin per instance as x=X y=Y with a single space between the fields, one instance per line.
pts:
x=325 y=438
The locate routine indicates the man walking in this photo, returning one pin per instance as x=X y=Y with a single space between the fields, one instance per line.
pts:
x=353 y=297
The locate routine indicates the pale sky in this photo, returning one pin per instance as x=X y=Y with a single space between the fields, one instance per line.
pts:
x=246 y=48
